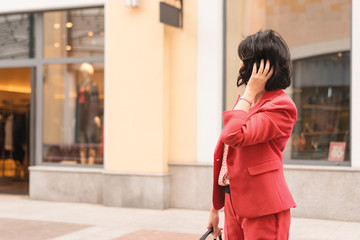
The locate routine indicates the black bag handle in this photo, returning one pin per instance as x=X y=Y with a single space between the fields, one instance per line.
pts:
x=208 y=233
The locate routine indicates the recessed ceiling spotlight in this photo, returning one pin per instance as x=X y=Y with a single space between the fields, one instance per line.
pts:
x=69 y=24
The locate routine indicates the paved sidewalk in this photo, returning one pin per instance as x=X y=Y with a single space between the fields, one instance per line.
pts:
x=21 y=218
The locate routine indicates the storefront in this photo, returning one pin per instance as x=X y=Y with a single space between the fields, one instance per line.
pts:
x=117 y=108
x=319 y=36
x=321 y=159
x=72 y=62
x=52 y=83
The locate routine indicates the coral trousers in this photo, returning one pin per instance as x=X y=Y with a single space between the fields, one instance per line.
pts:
x=275 y=226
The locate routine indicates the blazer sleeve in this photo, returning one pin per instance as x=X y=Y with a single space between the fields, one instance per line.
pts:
x=273 y=121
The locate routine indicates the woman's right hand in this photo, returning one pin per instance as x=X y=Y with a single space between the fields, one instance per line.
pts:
x=258 y=79
x=214 y=222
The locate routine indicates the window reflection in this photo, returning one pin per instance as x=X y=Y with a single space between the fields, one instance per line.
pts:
x=17 y=36
x=321 y=93
x=74 y=33
x=73 y=113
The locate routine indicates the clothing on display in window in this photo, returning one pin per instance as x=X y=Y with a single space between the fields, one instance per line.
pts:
x=88 y=119
x=87 y=110
x=13 y=136
x=9 y=132
x=19 y=137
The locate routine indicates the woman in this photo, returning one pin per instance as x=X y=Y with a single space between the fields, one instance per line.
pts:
x=248 y=172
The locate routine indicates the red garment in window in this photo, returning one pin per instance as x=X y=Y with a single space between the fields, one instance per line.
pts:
x=82 y=95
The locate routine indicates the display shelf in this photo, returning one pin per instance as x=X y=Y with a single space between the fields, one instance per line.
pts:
x=324 y=107
x=323 y=117
x=318 y=133
x=310 y=155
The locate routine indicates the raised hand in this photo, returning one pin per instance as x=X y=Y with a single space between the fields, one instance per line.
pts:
x=258 y=79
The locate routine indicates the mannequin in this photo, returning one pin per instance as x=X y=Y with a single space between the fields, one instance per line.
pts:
x=88 y=119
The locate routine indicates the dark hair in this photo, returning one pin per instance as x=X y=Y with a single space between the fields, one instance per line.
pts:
x=266 y=44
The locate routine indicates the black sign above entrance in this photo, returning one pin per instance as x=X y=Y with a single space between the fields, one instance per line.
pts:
x=171 y=15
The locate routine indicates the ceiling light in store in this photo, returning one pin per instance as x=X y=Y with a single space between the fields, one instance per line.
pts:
x=69 y=24
x=68 y=48
x=340 y=54
x=57 y=25
x=56 y=44
x=15 y=89
x=90 y=34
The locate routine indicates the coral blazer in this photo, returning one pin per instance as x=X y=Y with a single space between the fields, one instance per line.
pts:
x=256 y=141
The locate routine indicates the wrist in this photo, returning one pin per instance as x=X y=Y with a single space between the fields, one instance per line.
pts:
x=213 y=210
x=249 y=96
x=249 y=101
x=249 y=93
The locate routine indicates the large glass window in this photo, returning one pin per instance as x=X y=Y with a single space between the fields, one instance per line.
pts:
x=73 y=92
x=318 y=35
x=67 y=84
x=17 y=36
x=321 y=92
x=73 y=113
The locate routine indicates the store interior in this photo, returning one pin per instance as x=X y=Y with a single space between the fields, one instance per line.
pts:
x=15 y=91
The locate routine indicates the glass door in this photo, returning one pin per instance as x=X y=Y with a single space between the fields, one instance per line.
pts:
x=15 y=114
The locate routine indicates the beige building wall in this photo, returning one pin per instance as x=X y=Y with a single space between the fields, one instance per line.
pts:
x=150 y=82
x=135 y=114
x=181 y=63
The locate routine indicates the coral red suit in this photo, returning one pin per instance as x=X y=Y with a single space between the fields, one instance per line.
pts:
x=256 y=141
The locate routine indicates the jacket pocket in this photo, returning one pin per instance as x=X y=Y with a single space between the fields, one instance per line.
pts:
x=264 y=167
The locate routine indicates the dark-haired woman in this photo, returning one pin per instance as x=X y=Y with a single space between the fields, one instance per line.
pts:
x=248 y=171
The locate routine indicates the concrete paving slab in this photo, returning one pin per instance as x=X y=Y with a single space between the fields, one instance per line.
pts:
x=158 y=235
x=80 y=221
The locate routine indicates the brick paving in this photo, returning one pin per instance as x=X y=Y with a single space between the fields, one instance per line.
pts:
x=18 y=229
